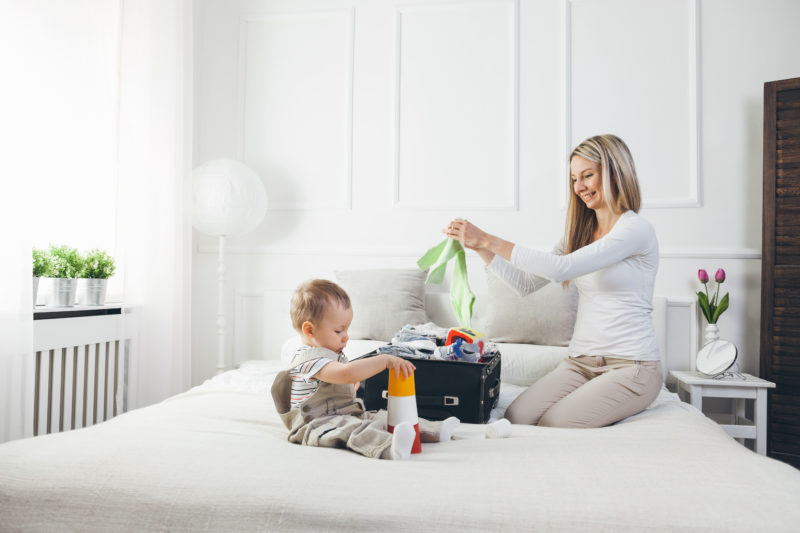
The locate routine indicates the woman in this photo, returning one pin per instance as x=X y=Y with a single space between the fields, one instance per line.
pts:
x=610 y=253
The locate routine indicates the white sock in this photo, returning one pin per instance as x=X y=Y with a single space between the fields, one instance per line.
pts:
x=448 y=426
x=402 y=440
x=498 y=429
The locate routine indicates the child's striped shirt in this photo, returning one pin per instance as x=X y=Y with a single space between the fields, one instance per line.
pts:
x=304 y=384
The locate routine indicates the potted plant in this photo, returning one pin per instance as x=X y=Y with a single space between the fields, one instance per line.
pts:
x=67 y=264
x=98 y=266
x=42 y=266
x=712 y=307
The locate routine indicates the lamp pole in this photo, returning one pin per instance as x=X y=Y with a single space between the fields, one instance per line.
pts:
x=228 y=199
x=221 y=307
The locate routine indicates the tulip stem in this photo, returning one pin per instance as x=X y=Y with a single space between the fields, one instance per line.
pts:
x=708 y=299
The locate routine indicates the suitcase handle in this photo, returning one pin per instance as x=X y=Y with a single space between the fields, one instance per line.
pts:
x=435 y=401
x=494 y=391
x=430 y=400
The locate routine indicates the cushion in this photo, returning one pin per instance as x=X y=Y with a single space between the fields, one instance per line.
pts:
x=355 y=348
x=523 y=364
x=384 y=300
x=545 y=317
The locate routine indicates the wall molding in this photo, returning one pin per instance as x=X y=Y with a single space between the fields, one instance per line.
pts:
x=666 y=253
x=690 y=305
x=349 y=13
x=239 y=321
x=397 y=203
x=713 y=253
x=694 y=196
x=566 y=96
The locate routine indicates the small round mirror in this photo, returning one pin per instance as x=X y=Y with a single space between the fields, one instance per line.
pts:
x=716 y=357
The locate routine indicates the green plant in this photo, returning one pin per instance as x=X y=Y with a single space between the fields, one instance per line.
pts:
x=66 y=262
x=97 y=265
x=42 y=263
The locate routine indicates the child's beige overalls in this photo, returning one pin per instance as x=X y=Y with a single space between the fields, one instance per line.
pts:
x=333 y=417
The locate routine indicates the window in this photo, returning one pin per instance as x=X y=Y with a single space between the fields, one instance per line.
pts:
x=77 y=62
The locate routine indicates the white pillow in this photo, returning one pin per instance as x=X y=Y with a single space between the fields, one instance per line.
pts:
x=355 y=348
x=522 y=364
x=384 y=300
x=289 y=347
x=545 y=317
x=358 y=347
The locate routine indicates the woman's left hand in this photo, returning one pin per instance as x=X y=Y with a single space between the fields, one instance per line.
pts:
x=471 y=235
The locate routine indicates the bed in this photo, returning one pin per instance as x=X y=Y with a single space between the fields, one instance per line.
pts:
x=216 y=458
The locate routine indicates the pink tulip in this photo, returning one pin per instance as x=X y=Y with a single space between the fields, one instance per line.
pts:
x=702 y=275
x=719 y=277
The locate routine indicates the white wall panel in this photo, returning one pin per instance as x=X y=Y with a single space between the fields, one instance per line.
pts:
x=634 y=74
x=248 y=320
x=453 y=66
x=296 y=73
x=456 y=106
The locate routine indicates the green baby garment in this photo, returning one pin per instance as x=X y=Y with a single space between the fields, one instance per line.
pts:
x=461 y=296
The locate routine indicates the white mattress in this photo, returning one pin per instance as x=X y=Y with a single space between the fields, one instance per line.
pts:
x=216 y=458
x=252 y=375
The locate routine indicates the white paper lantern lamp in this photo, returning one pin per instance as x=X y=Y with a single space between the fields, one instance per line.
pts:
x=228 y=199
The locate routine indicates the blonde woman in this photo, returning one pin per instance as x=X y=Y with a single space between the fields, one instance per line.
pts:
x=610 y=253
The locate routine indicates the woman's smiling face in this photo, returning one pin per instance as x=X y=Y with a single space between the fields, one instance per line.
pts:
x=587 y=181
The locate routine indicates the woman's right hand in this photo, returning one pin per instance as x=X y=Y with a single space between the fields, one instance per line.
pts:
x=400 y=366
x=468 y=233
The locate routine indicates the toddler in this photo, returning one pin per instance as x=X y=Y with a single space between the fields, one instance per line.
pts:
x=316 y=395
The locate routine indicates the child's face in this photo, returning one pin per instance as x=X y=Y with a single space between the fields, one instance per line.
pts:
x=331 y=332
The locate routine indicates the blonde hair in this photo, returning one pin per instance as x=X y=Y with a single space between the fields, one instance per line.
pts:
x=619 y=182
x=311 y=298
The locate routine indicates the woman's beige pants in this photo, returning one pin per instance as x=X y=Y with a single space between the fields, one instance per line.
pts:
x=588 y=392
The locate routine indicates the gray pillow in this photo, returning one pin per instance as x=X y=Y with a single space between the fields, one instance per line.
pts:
x=545 y=317
x=384 y=300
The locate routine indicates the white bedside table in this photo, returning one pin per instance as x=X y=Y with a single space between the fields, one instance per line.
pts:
x=747 y=387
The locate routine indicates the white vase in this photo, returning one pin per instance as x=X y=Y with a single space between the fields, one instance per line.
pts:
x=35 y=289
x=712 y=333
x=92 y=291
x=64 y=291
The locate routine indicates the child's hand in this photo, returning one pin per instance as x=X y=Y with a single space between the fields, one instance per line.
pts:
x=400 y=366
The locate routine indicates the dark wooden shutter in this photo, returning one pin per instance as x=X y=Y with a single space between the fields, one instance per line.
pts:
x=780 y=268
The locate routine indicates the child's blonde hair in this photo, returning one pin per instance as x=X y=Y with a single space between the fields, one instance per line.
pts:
x=311 y=298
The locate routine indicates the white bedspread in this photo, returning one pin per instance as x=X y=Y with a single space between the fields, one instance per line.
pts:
x=216 y=458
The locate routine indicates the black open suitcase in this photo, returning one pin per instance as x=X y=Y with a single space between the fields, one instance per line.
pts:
x=468 y=391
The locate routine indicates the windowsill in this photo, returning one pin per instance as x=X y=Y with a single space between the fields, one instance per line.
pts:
x=42 y=312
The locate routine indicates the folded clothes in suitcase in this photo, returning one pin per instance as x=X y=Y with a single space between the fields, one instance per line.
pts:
x=468 y=391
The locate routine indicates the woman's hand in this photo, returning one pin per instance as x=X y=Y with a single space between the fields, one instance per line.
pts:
x=471 y=235
x=400 y=366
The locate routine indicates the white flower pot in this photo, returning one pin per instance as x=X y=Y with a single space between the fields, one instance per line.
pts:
x=35 y=289
x=64 y=291
x=93 y=292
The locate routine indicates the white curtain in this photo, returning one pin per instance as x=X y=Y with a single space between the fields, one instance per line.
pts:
x=16 y=327
x=153 y=157
x=16 y=323
x=20 y=133
x=155 y=138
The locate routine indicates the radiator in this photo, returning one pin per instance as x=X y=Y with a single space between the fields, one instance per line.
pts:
x=80 y=374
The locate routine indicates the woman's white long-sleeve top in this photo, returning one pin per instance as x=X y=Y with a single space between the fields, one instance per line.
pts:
x=614 y=276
